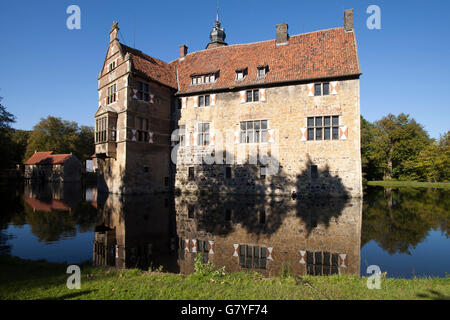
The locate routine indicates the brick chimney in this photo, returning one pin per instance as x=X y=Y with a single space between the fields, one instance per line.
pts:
x=348 y=20
x=183 y=50
x=114 y=33
x=282 y=34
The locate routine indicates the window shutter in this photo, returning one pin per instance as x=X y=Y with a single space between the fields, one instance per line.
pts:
x=195 y=101
x=183 y=102
x=211 y=247
x=236 y=137
x=242 y=95
x=213 y=99
x=310 y=89
x=342 y=260
x=303 y=134
x=302 y=256
x=343 y=133
x=151 y=96
x=269 y=257
x=104 y=101
x=262 y=94
x=194 y=245
x=133 y=134
x=150 y=137
x=236 y=247
x=188 y=139
x=116 y=96
x=186 y=245
x=134 y=92
x=212 y=138
x=334 y=87
x=270 y=135
x=194 y=137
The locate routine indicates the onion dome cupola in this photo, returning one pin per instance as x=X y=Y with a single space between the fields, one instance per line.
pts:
x=217 y=35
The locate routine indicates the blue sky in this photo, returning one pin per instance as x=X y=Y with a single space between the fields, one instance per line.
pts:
x=46 y=69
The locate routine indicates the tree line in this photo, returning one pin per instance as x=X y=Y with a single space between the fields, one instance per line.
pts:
x=398 y=147
x=395 y=147
x=49 y=134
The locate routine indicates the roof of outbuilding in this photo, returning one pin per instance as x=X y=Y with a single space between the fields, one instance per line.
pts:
x=47 y=157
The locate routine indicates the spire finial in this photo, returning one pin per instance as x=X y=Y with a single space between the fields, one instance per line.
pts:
x=217 y=17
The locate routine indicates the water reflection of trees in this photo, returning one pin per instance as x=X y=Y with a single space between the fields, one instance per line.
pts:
x=399 y=219
x=52 y=211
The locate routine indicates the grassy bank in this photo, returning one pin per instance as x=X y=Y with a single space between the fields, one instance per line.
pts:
x=413 y=184
x=21 y=279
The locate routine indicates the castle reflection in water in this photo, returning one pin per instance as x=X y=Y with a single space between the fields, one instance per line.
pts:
x=263 y=234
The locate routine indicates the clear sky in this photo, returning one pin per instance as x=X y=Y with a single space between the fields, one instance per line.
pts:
x=47 y=69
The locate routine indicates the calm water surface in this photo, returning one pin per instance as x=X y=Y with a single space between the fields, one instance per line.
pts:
x=403 y=231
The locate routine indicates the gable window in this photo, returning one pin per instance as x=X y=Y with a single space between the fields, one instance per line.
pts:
x=143 y=91
x=253 y=131
x=111 y=94
x=203 y=134
x=323 y=128
x=204 y=101
x=112 y=66
x=252 y=95
x=142 y=132
x=322 y=89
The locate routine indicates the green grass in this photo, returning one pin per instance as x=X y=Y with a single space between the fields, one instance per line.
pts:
x=22 y=279
x=413 y=184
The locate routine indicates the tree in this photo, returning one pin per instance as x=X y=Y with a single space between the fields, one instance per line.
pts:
x=397 y=140
x=6 y=144
x=61 y=136
x=370 y=164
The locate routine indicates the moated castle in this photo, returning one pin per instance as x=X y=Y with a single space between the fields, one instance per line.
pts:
x=273 y=117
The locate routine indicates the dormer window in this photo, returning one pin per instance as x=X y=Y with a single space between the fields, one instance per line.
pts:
x=240 y=74
x=262 y=71
x=201 y=79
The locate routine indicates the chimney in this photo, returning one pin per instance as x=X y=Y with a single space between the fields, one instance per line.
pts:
x=183 y=50
x=113 y=34
x=282 y=34
x=348 y=20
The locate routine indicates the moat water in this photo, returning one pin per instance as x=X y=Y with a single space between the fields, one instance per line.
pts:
x=404 y=231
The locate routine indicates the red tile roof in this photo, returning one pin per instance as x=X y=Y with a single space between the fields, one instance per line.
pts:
x=48 y=157
x=321 y=54
x=153 y=68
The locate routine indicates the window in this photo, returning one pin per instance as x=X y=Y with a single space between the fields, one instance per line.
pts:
x=105 y=129
x=254 y=131
x=191 y=173
x=203 y=134
x=207 y=78
x=262 y=216
x=322 y=89
x=252 y=95
x=100 y=130
x=182 y=135
x=262 y=172
x=143 y=91
x=252 y=257
x=142 y=132
x=323 y=128
x=322 y=263
x=228 y=172
x=204 y=101
x=314 y=172
x=240 y=74
x=112 y=66
x=261 y=72
x=111 y=94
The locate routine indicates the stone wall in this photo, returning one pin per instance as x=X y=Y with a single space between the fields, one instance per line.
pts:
x=286 y=108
